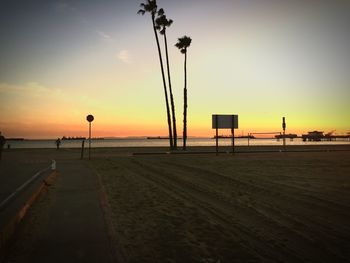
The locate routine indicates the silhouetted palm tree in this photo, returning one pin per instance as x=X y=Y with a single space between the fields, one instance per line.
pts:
x=182 y=44
x=161 y=24
x=151 y=7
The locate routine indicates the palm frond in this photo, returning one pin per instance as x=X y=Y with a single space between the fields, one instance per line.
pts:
x=163 y=22
x=150 y=6
x=178 y=45
x=161 y=12
x=159 y=21
x=183 y=43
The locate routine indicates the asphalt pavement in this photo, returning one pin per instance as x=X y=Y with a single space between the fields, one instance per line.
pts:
x=70 y=227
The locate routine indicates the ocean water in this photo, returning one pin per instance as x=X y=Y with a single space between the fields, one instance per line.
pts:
x=143 y=142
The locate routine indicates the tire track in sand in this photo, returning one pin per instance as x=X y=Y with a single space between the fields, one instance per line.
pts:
x=265 y=195
x=252 y=229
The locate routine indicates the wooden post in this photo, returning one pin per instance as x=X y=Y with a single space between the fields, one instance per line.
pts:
x=217 y=135
x=82 y=149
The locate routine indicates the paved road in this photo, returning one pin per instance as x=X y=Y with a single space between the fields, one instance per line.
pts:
x=67 y=225
x=75 y=229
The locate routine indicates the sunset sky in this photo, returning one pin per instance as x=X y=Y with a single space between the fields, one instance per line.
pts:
x=260 y=59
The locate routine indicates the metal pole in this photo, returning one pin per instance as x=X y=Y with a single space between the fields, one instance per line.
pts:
x=233 y=140
x=284 y=132
x=233 y=135
x=89 y=139
x=217 y=134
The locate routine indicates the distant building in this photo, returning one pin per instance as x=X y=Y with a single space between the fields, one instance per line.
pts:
x=290 y=136
x=313 y=136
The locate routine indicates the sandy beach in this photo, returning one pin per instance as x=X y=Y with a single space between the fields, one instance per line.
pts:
x=278 y=207
x=246 y=207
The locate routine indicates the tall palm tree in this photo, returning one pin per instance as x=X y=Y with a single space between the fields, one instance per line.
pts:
x=151 y=7
x=183 y=43
x=161 y=24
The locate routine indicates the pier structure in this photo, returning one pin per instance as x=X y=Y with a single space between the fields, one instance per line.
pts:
x=320 y=136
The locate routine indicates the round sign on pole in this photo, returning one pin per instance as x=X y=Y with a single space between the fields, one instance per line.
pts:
x=90 y=118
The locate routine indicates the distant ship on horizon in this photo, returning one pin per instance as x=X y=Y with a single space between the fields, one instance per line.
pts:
x=237 y=137
x=159 y=138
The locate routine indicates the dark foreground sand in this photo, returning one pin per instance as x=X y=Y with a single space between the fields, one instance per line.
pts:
x=249 y=207
x=278 y=207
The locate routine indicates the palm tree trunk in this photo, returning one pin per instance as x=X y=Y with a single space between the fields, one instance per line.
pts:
x=185 y=105
x=171 y=92
x=164 y=84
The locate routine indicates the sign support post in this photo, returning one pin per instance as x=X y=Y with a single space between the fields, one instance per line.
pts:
x=225 y=121
x=89 y=118
x=89 y=140
x=233 y=134
x=284 y=132
x=217 y=134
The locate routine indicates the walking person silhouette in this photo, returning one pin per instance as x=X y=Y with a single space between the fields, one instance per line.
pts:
x=2 y=144
x=58 y=143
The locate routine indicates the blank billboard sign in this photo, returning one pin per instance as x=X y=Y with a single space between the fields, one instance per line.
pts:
x=224 y=121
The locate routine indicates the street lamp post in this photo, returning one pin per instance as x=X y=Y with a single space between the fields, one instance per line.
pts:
x=89 y=118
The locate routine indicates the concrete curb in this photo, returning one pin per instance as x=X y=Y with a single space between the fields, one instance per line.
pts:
x=9 y=228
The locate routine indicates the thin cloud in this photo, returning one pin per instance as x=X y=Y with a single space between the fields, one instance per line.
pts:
x=124 y=56
x=30 y=89
x=63 y=7
x=104 y=35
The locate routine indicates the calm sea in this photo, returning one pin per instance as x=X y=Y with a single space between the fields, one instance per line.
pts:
x=143 y=142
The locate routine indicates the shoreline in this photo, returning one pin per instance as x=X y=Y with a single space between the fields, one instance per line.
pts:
x=141 y=143
x=194 y=148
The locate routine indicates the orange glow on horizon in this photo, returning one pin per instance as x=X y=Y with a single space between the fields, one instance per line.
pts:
x=54 y=130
